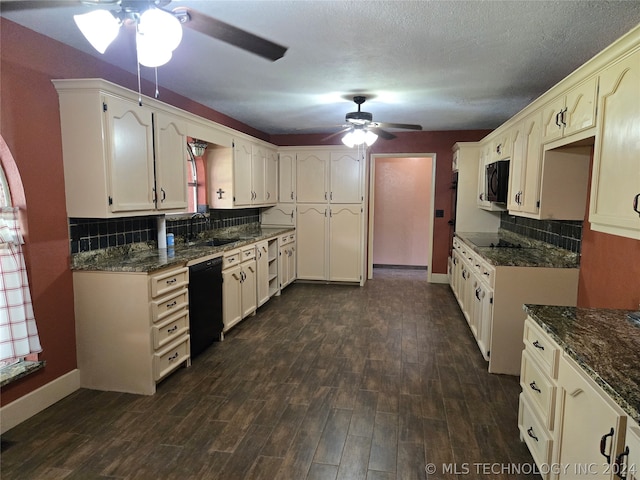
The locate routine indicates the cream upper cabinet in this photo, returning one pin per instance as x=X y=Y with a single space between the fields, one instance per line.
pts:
x=242 y=176
x=571 y=113
x=329 y=176
x=312 y=176
x=615 y=185
x=501 y=146
x=286 y=177
x=171 y=165
x=129 y=137
x=346 y=177
x=524 y=168
x=591 y=427
x=120 y=158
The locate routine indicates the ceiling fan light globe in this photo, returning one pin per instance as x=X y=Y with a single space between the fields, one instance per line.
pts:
x=161 y=28
x=370 y=138
x=348 y=140
x=99 y=27
x=359 y=136
x=151 y=54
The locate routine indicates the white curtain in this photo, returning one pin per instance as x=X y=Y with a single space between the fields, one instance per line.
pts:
x=18 y=332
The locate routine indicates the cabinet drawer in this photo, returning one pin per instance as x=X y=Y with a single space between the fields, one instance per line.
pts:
x=170 y=358
x=231 y=259
x=170 y=329
x=535 y=435
x=488 y=274
x=168 y=305
x=632 y=461
x=169 y=280
x=544 y=350
x=538 y=388
x=284 y=239
x=248 y=253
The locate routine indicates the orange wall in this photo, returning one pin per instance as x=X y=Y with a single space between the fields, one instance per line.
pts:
x=401 y=229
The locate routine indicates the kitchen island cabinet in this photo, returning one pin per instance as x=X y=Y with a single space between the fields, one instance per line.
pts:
x=580 y=390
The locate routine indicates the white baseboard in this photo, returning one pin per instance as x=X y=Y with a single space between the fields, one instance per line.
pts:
x=34 y=402
x=438 y=278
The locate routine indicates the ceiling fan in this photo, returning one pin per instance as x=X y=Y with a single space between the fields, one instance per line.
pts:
x=360 y=127
x=130 y=11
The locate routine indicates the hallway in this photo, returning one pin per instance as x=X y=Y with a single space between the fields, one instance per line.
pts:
x=326 y=382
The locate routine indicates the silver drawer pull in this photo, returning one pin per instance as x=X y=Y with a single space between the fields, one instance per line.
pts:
x=172 y=304
x=531 y=434
x=535 y=387
x=173 y=357
x=172 y=330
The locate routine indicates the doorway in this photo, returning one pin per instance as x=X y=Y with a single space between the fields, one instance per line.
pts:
x=401 y=199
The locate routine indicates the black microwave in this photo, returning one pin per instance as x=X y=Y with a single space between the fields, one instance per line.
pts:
x=497 y=178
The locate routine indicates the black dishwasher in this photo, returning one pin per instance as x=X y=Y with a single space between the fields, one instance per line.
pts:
x=205 y=304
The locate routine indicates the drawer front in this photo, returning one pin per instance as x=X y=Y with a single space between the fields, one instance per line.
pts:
x=292 y=237
x=535 y=435
x=632 y=462
x=539 y=389
x=231 y=259
x=284 y=239
x=165 y=282
x=170 y=358
x=163 y=307
x=248 y=253
x=172 y=328
x=544 y=350
x=488 y=274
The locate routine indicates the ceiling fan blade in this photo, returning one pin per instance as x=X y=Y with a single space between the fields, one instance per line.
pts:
x=15 y=5
x=335 y=134
x=382 y=133
x=405 y=126
x=232 y=35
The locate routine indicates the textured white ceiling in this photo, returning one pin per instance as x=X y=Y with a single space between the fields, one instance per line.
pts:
x=443 y=64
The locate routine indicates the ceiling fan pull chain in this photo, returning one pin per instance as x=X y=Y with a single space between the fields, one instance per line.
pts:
x=139 y=88
x=157 y=94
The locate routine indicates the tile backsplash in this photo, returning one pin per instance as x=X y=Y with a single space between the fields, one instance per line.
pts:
x=87 y=234
x=565 y=234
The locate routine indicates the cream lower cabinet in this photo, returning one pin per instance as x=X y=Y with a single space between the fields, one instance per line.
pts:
x=615 y=186
x=239 y=285
x=262 y=267
x=287 y=259
x=628 y=462
x=132 y=329
x=329 y=240
x=572 y=428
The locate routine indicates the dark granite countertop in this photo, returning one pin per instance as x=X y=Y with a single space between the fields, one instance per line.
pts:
x=144 y=257
x=605 y=343
x=533 y=253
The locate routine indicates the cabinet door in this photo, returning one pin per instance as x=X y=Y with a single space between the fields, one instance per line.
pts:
x=485 y=154
x=271 y=176
x=485 y=320
x=551 y=120
x=615 y=186
x=589 y=424
x=291 y=266
x=286 y=177
x=311 y=233
x=532 y=160
x=285 y=275
x=170 y=162
x=258 y=176
x=517 y=167
x=130 y=145
x=345 y=243
x=346 y=178
x=231 y=296
x=242 y=162
x=580 y=107
x=262 y=280
x=312 y=172
x=249 y=287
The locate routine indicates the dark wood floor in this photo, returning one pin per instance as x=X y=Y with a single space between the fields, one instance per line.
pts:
x=325 y=382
